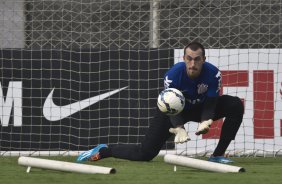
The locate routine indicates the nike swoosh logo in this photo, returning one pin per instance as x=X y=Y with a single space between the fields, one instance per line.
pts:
x=52 y=112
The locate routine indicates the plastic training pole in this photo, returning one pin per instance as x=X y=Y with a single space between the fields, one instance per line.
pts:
x=63 y=166
x=202 y=164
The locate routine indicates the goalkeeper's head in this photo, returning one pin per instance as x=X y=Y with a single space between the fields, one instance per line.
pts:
x=194 y=58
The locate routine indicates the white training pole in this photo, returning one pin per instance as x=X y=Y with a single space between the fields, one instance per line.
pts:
x=201 y=164
x=63 y=166
x=28 y=169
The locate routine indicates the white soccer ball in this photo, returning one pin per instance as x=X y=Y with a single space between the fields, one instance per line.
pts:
x=171 y=101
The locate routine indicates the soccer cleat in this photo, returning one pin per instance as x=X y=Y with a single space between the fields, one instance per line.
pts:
x=220 y=159
x=91 y=155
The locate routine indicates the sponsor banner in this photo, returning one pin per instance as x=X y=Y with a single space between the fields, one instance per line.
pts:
x=73 y=100
x=254 y=75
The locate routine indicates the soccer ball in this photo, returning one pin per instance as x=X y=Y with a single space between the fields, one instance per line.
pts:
x=171 y=101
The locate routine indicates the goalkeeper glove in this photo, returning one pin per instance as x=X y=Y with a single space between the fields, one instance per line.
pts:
x=181 y=135
x=204 y=127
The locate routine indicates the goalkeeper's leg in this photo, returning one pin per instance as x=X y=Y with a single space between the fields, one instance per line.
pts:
x=232 y=109
x=154 y=139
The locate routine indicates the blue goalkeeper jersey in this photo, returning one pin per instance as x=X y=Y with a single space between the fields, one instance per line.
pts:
x=207 y=84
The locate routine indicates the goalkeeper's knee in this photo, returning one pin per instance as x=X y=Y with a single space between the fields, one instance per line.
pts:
x=237 y=109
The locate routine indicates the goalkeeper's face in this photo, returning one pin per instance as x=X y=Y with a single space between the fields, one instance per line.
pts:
x=194 y=61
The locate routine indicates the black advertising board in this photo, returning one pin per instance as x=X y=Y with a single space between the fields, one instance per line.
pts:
x=72 y=100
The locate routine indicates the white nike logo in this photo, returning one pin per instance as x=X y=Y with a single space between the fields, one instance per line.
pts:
x=52 y=112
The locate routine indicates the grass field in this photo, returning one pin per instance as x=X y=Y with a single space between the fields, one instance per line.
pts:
x=258 y=171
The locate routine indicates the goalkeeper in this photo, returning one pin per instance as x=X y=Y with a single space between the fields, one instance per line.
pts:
x=200 y=83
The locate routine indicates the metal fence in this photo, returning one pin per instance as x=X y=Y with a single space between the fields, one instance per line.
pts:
x=126 y=24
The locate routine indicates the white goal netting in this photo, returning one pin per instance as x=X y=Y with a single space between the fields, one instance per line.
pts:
x=78 y=73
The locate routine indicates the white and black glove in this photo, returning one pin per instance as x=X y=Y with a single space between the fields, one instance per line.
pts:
x=181 y=135
x=204 y=127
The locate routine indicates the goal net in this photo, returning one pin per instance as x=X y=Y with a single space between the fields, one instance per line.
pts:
x=75 y=74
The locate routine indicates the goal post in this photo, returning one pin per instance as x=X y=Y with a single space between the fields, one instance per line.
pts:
x=74 y=74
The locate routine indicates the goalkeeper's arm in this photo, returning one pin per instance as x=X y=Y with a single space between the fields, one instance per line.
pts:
x=207 y=115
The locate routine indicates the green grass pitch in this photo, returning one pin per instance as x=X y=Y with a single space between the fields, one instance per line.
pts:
x=258 y=171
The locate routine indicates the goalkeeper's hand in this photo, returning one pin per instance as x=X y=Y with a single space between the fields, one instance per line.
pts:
x=204 y=127
x=181 y=135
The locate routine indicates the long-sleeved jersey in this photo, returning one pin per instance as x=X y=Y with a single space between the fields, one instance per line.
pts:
x=207 y=84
